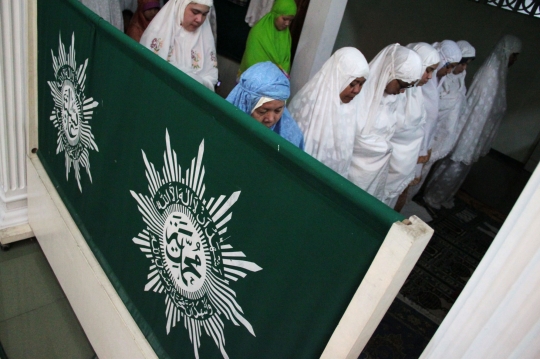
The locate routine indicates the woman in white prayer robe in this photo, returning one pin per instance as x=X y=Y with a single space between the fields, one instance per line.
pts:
x=484 y=110
x=393 y=70
x=450 y=56
x=326 y=108
x=451 y=105
x=180 y=34
x=409 y=133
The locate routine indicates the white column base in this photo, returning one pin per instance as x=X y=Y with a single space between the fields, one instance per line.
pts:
x=14 y=218
x=16 y=233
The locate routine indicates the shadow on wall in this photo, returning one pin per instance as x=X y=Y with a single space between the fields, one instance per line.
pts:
x=371 y=25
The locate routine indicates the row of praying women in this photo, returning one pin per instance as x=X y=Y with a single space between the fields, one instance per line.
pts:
x=477 y=124
x=382 y=125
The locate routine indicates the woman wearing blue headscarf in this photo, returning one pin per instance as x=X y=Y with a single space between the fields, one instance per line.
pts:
x=261 y=93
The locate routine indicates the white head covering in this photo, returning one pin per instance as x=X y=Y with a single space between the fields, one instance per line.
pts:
x=328 y=124
x=451 y=102
x=414 y=113
x=428 y=54
x=393 y=62
x=486 y=103
x=192 y=52
x=372 y=148
x=449 y=52
x=467 y=50
x=409 y=133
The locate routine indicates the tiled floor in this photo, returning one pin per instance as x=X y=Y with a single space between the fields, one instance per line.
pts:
x=36 y=320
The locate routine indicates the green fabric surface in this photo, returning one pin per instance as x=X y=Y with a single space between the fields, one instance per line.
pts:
x=266 y=43
x=313 y=233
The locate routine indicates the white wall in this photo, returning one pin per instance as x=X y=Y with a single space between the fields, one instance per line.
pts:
x=370 y=25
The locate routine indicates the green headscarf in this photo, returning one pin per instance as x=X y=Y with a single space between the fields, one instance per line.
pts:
x=266 y=43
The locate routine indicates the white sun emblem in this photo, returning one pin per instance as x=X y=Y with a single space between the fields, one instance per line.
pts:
x=190 y=258
x=72 y=111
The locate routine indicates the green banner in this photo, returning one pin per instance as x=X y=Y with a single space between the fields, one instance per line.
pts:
x=222 y=239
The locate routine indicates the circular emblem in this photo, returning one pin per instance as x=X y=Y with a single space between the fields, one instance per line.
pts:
x=183 y=252
x=187 y=249
x=72 y=111
x=192 y=261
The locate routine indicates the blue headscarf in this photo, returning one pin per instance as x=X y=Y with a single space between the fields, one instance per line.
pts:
x=266 y=80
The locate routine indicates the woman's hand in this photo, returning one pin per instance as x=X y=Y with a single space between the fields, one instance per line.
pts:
x=424 y=159
x=415 y=181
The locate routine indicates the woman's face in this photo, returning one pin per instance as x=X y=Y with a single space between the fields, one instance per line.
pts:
x=461 y=67
x=269 y=113
x=428 y=74
x=150 y=13
x=283 y=21
x=445 y=70
x=194 y=16
x=352 y=89
x=395 y=87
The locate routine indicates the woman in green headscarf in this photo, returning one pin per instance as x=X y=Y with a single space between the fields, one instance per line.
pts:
x=270 y=39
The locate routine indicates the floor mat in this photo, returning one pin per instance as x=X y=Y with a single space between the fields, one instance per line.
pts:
x=402 y=334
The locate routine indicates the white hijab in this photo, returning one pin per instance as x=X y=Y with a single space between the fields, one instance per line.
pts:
x=467 y=51
x=192 y=52
x=409 y=133
x=392 y=62
x=451 y=104
x=486 y=103
x=328 y=124
x=449 y=52
x=369 y=165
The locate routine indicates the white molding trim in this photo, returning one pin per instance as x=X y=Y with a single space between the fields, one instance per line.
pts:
x=105 y=319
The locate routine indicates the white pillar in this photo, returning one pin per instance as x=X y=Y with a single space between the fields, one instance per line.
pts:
x=498 y=313
x=13 y=115
x=316 y=43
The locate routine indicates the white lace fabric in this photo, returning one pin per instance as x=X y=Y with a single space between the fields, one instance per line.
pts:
x=485 y=107
x=486 y=103
x=451 y=106
x=328 y=125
